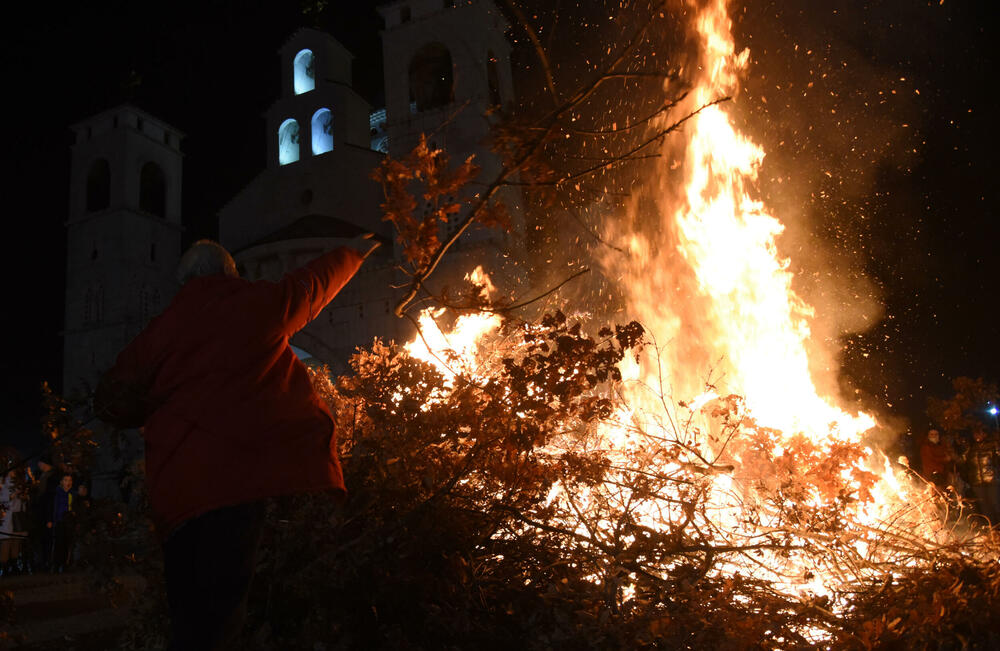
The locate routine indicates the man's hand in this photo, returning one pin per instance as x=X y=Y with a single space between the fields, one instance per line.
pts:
x=365 y=244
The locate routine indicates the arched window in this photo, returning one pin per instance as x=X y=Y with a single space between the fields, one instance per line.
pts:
x=492 y=78
x=153 y=190
x=431 y=77
x=288 y=142
x=305 y=72
x=98 y=185
x=322 y=131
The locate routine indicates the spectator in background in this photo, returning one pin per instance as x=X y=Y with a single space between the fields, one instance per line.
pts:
x=80 y=522
x=39 y=502
x=60 y=523
x=12 y=516
x=907 y=448
x=83 y=497
x=936 y=460
x=982 y=471
x=958 y=444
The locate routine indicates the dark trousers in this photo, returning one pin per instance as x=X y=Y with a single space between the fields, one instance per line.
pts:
x=62 y=545
x=40 y=540
x=209 y=563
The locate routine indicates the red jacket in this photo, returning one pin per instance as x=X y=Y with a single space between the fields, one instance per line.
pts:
x=230 y=414
x=934 y=458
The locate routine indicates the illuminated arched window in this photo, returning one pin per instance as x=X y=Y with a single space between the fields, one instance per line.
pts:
x=288 y=142
x=305 y=72
x=98 y=185
x=322 y=131
x=431 y=77
x=153 y=190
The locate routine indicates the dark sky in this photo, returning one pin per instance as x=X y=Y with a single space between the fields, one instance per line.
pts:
x=911 y=208
x=879 y=120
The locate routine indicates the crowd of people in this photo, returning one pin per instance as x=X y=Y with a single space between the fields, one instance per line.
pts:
x=40 y=508
x=965 y=464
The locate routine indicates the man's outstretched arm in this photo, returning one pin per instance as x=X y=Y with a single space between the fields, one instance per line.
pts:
x=305 y=291
x=122 y=395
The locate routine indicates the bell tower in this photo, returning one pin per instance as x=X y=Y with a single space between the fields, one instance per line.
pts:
x=447 y=68
x=123 y=236
x=318 y=110
x=448 y=76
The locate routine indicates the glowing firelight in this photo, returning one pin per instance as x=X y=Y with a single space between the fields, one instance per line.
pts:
x=723 y=302
x=726 y=302
x=738 y=310
x=457 y=350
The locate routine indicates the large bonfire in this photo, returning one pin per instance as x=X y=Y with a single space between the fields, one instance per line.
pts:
x=716 y=435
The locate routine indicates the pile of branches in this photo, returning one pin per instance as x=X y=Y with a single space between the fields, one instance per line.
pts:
x=523 y=501
x=488 y=509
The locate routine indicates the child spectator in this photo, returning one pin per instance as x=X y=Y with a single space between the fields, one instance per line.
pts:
x=60 y=523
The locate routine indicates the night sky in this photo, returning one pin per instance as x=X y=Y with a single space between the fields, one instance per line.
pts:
x=885 y=163
x=880 y=127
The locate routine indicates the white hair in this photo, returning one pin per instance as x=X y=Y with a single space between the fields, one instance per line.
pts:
x=205 y=258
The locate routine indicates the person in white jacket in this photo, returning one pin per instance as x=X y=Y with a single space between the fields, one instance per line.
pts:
x=12 y=506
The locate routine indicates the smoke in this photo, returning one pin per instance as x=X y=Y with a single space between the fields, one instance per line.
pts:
x=828 y=100
x=833 y=114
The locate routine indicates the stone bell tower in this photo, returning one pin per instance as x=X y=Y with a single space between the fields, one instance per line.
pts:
x=448 y=76
x=447 y=68
x=123 y=236
x=123 y=246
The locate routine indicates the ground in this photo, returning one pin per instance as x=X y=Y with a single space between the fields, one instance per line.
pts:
x=60 y=611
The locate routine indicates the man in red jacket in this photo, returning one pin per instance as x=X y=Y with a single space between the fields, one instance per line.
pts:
x=230 y=418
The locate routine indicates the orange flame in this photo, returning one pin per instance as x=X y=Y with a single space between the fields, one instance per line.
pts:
x=736 y=308
x=458 y=350
x=715 y=294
